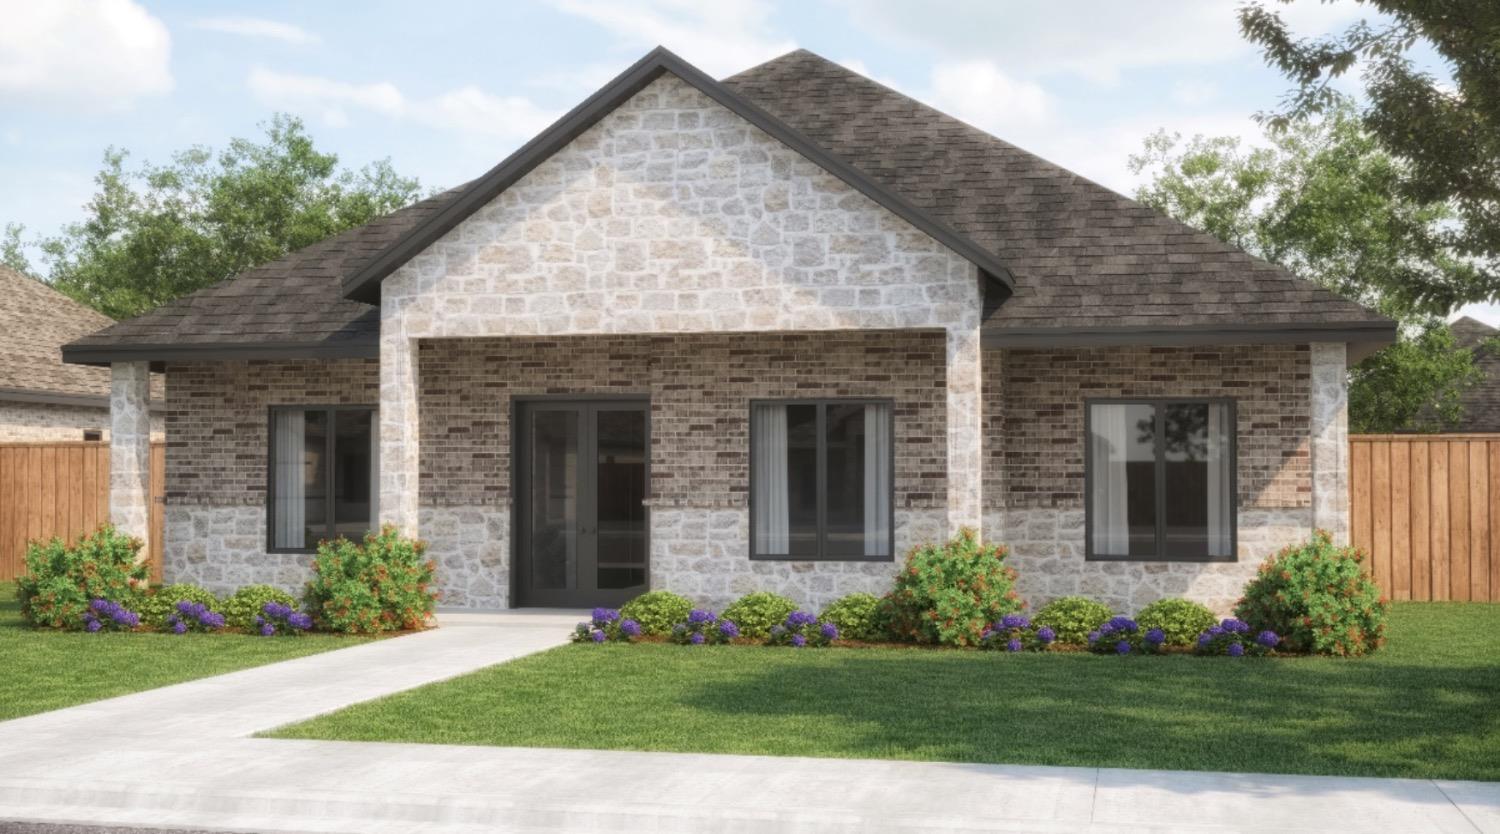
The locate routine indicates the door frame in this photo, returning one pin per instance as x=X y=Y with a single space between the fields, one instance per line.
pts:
x=517 y=438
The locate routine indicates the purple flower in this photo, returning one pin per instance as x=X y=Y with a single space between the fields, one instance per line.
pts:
x=266 y=630
x=92 y=625
x=1093 y=636
x=729 y=629
x=1236 y=650
x=799 y=641
x=698 y=616
x=1122 y=647
x=1118 y=624
x=1046 y=635
x=1205 y=638
x=179 y=627
x=1214 y=631
x=1234 y=626
x=278 y=610
x=830 y=631
x=1014 y=645
x=603 y=616
x=299 y=620
x=630 y=628
x=697 y=638
x=1267 y=639
x=1015 y=621
x=798 y=619
x=1155 y=637
x=597 y=636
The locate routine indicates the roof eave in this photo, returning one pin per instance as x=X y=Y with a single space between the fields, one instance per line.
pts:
x=94 y=354
x=365 y=284
x=1362 y=337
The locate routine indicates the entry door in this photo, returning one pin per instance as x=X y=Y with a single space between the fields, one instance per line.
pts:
x=581 y=489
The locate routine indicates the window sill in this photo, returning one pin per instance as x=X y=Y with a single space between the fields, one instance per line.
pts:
x=831 y=559
x=1094 y=557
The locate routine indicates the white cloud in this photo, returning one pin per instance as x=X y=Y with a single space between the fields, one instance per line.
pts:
x=719 y=36
x=256 y=27
x=96 y=54
x=467 y=110
x=1193 y=91
x=979 y=93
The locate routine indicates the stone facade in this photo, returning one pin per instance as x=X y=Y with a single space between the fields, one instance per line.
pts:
x=1330 y=439
x=130 y=448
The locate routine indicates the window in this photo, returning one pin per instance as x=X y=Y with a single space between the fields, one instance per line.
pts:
x=322 y=478
x=93 y=435
x=1160 y=480
x=820 y=480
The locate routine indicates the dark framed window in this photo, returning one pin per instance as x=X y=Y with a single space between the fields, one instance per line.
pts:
x=321 y=475
x=1159 y=479
x=821 y=484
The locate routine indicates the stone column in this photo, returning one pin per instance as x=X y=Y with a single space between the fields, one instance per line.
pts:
x=399 y=459
x=130 y=449
x=965 y=428
x=1329 y=413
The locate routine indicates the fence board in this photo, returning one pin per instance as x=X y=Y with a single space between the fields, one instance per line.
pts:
x=62 y=489
x=1426 y=508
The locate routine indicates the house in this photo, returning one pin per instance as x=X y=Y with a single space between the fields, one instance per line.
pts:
x=1481 y=401
x=760 y=333
x=42 y=399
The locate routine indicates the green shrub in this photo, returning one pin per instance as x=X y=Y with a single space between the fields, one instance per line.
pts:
x=61 y=581
x=159 y=604
x=249 y=602
x=1316 y=598
x=951 y=593
x=383 y=584
x=657 y=611
x=856 y=617
x=1181 y=620
x=1073 y=618
x=756 y=613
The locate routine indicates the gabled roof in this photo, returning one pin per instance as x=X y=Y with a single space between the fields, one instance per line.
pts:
x=364 y=285
x=1481 y=402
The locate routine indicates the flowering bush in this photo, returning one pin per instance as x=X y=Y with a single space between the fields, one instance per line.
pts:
x=1072 y=619
x=1317 y=599
x=1181 y=620
x=1232 y=637
x=193 y=616
x=159 y=605
x=606 y=624
x=1122 y=635
x=383 y=584
x=1015 y=633
x=802 y=629
x=61 y=582
x=855 y=616
x=657 y=611
x=280 y=618
x=245 y=609
x=950 y=593
x=704 y=627
x=105 y=615
x=756 y=613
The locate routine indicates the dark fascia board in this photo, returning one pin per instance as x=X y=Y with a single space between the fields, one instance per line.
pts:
x=21 y=395
x=212 y=352
x=365 y=284
x=1363 y=337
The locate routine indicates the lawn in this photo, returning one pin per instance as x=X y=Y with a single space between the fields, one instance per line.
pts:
x=1424 y=706
x=44 y=670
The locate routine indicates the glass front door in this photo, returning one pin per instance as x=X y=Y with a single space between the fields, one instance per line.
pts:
x=581 y=491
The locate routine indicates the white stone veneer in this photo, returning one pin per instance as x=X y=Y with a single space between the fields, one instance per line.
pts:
x=223 y=548
x=1329 y=411
x=130 y=448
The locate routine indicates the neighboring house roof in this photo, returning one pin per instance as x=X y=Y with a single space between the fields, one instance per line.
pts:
x=1070 y=261
x=1482 y=401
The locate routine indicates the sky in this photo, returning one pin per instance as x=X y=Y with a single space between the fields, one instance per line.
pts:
x=447 y=88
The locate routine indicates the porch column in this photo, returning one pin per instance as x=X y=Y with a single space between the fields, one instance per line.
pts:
x=399 y=457
x=1329 y=413
x=965 y=428
x=130 y=448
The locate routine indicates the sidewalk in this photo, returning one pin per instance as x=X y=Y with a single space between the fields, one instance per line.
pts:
x=180 y=757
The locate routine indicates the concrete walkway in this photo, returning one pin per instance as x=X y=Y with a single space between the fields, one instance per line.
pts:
x=180 y=757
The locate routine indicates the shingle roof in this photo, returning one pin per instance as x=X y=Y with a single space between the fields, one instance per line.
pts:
x=1481 y=402
x=1081 y=256
x=35 y=322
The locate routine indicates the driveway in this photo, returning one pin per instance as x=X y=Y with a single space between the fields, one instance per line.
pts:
x=180 y=756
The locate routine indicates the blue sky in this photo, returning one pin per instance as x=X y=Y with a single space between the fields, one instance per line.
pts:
x=447 y=88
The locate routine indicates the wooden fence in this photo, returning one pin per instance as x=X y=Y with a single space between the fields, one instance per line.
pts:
x=62 y=489
x=1427 y=509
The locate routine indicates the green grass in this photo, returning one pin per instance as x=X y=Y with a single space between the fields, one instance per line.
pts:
x=43 y=670
x=1425 y=706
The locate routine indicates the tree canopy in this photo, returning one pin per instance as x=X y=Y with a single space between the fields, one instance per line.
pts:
x=154 y=233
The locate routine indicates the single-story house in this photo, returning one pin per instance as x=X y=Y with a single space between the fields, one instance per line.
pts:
x=1480 y=401
x=43 y=399
x=761 y=333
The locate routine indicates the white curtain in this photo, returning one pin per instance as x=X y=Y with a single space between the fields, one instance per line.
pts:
x=877 y=480
x=374 y=470
x=1220 y=499
x=291 y=486
x=1110 y=428
x=772 y=514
